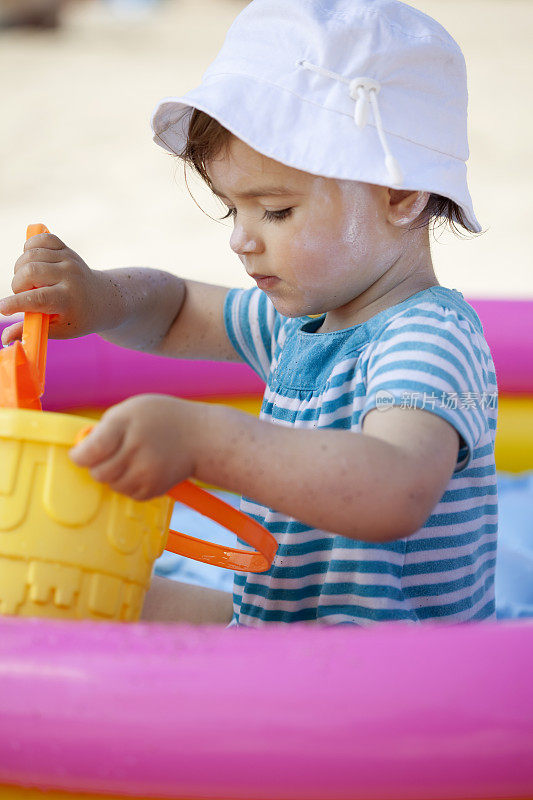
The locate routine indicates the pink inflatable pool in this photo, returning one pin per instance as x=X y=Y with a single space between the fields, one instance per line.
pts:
x=395 y=712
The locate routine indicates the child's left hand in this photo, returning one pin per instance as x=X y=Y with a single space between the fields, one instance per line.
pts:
x=141 y=447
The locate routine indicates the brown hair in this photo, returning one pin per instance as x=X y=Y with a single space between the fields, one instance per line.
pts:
x=207 y=138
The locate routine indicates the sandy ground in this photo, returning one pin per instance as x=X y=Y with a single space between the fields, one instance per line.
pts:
x=77 y=154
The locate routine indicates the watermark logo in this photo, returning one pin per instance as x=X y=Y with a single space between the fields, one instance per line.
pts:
x=384 y=400
x=450 y=400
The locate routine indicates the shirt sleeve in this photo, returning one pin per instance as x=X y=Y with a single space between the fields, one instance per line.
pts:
x=252 y=324
x=428 y=359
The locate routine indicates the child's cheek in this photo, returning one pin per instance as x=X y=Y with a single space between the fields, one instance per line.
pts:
x=337 y=230
x=312 y=252
x=358 y=221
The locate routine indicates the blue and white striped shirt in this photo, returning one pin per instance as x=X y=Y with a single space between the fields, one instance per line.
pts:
x=430 y=352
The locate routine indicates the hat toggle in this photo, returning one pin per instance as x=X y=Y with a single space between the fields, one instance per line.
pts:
x=364 y=91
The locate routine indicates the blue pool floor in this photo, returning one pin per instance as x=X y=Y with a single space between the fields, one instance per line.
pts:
x=514 y=561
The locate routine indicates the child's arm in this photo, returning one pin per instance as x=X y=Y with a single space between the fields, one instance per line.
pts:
x=139 y=308
x=163 y=314
x=376 y=486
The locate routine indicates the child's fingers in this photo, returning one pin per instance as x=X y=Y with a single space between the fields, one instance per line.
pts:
x=38 y=255
x=112 y=470
x=11 y=334
x=43 y=300
x=99 y=446
x=131 y=487
x=46 y=240
x=35 y=275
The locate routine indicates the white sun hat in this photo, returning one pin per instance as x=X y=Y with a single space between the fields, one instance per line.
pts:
x=364 y=90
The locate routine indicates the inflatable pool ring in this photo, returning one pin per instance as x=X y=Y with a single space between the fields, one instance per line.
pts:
x=397 y=711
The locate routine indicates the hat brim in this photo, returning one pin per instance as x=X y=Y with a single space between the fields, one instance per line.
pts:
x=256 y=112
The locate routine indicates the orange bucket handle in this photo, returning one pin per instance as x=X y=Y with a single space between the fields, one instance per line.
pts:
x=246 y=528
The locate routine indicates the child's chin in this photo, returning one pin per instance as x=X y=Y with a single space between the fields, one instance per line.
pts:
x=293 y=310
x=289 y=311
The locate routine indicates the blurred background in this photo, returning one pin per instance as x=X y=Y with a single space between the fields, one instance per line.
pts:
x=80 y=78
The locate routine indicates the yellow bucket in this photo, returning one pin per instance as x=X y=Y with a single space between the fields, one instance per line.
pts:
x=70 y=547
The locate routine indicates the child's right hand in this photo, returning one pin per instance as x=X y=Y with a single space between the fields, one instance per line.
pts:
x=52 y=279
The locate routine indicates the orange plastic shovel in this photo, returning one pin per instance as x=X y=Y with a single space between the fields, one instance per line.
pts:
x=22 y=364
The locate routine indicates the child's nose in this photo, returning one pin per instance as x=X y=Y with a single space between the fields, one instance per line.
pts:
x=243 y=243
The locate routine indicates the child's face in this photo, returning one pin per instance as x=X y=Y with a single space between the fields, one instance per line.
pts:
x=315 y=246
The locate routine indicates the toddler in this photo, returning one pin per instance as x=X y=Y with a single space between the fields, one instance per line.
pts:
x=335 y=134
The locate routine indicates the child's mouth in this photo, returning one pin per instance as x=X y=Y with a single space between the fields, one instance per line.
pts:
x=265 y=281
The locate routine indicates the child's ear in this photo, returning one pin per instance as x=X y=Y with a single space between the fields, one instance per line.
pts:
x=405 y=206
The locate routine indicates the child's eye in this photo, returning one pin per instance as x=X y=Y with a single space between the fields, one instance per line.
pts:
x=276 y=216
x=271 y=216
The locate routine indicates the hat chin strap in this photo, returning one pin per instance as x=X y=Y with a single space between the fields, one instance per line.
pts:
x=364 y=91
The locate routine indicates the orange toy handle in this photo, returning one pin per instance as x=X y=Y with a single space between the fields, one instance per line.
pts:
x=244 y=526
x=35 y=330
x=232 y=519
